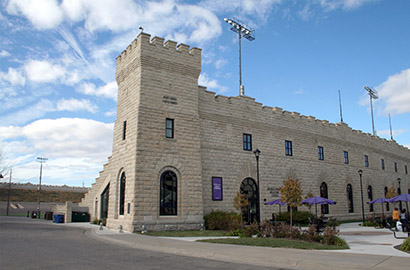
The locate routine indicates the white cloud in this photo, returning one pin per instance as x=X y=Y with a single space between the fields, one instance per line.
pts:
x=4 y=53
x=259 y=8
x=395 y=93
x=109 y=90
x=43 y=14
x=74 y=105
x=306 y=13
x=386 y=133
x=29 y=113
x=43 y=71
x=343 y=4
x=13 y=76
x=76 y=149
x=204 y=80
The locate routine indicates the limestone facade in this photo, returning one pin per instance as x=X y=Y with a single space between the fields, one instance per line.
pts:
x=159 y=81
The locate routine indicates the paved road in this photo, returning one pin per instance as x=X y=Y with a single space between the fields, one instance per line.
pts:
x=25 y=244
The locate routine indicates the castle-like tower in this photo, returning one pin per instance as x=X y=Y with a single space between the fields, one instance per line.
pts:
x=156 y=148
x=180 y=151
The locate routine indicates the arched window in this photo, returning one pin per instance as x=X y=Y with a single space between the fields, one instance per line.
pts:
x=386 y=190
x=249 y=189
x=104 y=202
x=324 y=194
x=122 y=193
x=349 y=193
x=370 y=196
x=168 y=194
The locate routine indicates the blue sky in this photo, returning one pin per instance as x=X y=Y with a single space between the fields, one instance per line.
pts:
x=57 y=68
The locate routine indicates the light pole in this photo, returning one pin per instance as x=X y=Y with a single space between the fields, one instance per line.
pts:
x=361 y=193
x=257 y=152
x=41 y=160
x=399 y=191
x=9 y=192
x=372 y=95
x=243 y=31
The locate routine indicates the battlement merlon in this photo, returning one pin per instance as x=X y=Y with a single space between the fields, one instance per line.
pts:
x=169 y=51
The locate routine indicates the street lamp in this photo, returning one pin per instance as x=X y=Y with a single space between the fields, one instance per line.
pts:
x=361 y=193
x=41 y=160
x=257 y=152
x=399 y=191
x=243 y=31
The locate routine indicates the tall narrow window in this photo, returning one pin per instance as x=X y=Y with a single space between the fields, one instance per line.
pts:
x=346 y=157
x=349 y=193
x=321 y=153
x=288 y=148
x=169 y=128
x=247 y=142
x=386 y=190
x=405 y=169
x=168 y=194
x=324 y=194
x=382 y=164
x=122 y=193
x=395 y=166
x=370 y=196
x=124 y=129
x=366 y=160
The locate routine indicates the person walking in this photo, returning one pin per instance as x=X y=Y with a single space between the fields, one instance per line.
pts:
x=404 y=219
x=396 y=217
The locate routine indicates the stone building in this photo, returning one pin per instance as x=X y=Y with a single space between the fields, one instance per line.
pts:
x=180 y=151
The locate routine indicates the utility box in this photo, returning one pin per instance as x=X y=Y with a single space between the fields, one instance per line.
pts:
x=80 y=217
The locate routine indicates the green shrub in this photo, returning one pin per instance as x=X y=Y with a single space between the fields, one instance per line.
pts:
x=406 y=245
x=299 y=217
x=220 y=220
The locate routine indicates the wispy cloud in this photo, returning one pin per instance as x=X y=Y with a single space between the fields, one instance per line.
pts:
x=109 y=90
x=395 y=93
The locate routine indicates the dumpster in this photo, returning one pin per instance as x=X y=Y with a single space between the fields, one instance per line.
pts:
x=80 y=217
x=58 y=218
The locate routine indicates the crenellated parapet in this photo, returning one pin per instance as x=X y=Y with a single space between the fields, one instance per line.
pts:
x=246 y=108
x=158 y=54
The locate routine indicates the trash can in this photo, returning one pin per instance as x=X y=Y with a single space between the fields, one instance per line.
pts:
x=58 y=218
x=48 y=216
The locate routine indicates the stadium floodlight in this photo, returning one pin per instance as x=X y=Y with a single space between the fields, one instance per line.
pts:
x=41 y=160
x=372 y=95
x=243 y=31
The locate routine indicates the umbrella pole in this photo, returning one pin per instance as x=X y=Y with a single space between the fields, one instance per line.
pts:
x=316 y=209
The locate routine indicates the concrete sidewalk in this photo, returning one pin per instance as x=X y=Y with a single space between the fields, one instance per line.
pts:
x=370 y=249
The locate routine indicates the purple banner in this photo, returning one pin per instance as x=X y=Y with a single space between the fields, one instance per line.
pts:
x=216 y=188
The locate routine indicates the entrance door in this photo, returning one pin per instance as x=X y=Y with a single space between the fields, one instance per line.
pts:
x=104 y=202
x=249 y=189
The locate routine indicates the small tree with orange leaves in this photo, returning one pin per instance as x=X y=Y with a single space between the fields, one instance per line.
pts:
x=291 y=194
x=240 y=202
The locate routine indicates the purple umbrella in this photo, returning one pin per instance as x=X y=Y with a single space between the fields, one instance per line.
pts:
x=402 y=197
x=380 y=200
x=317 y=200
x=277 y=201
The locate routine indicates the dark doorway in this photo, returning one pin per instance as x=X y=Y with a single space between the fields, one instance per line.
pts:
x=249 y=189
x=104 y=202
x=323 y=193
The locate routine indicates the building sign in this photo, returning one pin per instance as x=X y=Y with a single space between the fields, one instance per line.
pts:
x=273 y=191
x=216 y=188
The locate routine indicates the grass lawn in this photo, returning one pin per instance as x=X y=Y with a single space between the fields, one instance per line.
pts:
x=203 y=233
x=273 y=242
